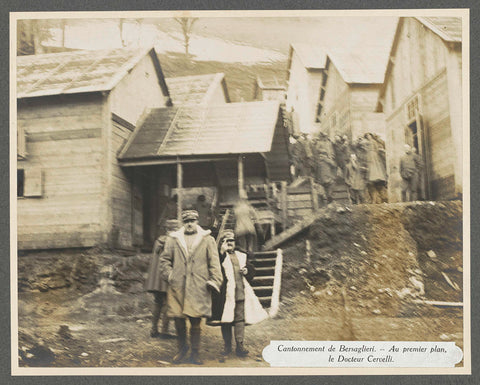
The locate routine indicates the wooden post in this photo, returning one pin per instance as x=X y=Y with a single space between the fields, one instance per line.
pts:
x=277 y=283
x=179 y=191
x=284 y=204
x=240 y=175
x=308 y=251
x=313 y=191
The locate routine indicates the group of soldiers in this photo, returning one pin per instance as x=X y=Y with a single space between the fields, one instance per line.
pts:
x=360 y=164
x=190 y=278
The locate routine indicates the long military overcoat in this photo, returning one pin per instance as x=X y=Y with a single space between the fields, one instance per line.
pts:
x=189 y=275
x=155 y=280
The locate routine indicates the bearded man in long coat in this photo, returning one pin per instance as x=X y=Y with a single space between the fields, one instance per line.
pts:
x=191 y=265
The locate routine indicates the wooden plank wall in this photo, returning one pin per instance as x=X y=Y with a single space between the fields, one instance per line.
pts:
x=438 y=132
x=137 y=91
x=420 y=62
x=121 y=199
x=337 y=100
x=299 y=204
x=394 y=142
x=366 y=121
x=436 y=120
x=64 y=141
x=277 y=160
x=420 y=55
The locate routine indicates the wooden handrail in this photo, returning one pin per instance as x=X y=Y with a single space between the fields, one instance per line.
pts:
x=222 y=226
x=277 y=283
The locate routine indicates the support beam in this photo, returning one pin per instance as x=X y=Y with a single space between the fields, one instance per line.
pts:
x=179 y=191
x=314 y=195
x=284 y=204
x=241 y=186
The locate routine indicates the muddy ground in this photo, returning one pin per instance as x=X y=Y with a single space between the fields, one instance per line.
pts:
x=368 y=267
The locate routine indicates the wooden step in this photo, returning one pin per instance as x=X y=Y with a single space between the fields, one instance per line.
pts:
x=261 y=291
x=263 y=287
x=263 y=278
x=264 y=262
x=272 y=254
x=263 y=271
x=264 y=293
x=265 y=301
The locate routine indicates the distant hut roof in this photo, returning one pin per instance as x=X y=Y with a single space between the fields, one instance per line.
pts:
x=311 y=55
x=79 y=71
x=365 y=68
x=271 y=83
x=231 y=128
x=195 y=89
x=448 y=28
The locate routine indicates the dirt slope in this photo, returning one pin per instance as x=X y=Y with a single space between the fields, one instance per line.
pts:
x=376 y=256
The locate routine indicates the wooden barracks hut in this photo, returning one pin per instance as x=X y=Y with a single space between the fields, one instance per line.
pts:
x=349 y=93
x=228 y=147
x=75 y=110
x=306 y=65
x=422 y=101
x=100 y=147
x=198 y=89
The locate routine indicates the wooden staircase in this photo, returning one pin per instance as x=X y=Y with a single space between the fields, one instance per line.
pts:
x=340 y=192
x=267 y=281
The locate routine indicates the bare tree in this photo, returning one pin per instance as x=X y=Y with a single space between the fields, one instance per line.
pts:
x=31 y=34
x=186 y=23
x=121 y=23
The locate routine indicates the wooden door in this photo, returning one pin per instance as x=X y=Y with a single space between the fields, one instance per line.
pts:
x=137 y=209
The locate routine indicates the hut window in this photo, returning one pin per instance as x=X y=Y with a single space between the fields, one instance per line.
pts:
x=21 y=143
x=29 y=182
x=319 y=113
x=20 y=182
x=411 y=109
x=333 y=120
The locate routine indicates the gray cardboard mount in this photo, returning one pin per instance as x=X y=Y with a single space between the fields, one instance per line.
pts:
x=127 y=5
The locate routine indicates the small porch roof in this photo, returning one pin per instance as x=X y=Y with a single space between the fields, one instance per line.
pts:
x=201 y=131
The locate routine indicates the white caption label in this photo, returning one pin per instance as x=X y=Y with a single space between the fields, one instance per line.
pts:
x=361 y=354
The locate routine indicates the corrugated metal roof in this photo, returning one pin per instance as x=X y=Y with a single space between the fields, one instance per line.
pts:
x=448 y=28
x=192 y=89
x=74 y=72
x=311 y=55
x=231 y=128
x=366 y=68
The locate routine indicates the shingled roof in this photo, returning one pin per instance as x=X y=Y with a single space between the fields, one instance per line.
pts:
x=365 y=68
x=448 y=28
x=231 y=128
x=195 y=89
x=311 y=55
x=79 y=71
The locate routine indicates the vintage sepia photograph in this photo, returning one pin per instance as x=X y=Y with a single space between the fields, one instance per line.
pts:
x=190 y=186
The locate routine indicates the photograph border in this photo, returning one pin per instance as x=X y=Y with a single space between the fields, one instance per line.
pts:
x=241 y=371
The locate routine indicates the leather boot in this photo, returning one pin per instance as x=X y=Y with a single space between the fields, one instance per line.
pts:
x=165 y=322
x=181 y=327
x=240 y=351
x=227 y=339
x=239 y=333
x=157 y=308
x=195 y=341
